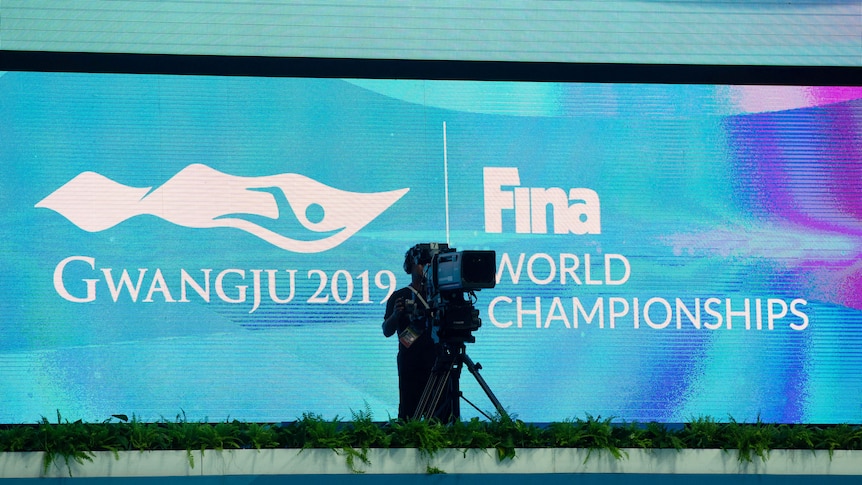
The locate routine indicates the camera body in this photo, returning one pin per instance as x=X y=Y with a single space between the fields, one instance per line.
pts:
x=451 y=279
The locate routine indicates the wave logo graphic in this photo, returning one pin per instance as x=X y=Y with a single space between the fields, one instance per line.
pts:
x=202 y=197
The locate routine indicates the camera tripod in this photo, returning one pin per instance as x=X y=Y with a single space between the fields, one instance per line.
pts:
x=442 y=394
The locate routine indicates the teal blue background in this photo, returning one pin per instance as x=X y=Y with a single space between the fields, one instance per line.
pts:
x=691 y=186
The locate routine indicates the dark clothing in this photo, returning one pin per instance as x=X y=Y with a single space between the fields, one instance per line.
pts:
x=414 y=362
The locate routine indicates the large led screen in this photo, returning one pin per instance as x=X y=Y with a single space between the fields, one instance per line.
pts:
x=223 y=247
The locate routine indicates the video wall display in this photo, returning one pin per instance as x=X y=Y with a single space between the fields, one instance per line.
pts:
x=223 y=246
x=727 y=33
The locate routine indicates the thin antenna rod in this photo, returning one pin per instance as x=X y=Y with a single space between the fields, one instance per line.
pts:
x=446 y=179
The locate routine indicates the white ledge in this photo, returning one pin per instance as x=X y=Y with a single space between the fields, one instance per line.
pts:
x=412 y=461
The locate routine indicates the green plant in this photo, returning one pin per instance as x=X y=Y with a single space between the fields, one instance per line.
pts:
x=218 y=436
x=794 y=437
x=703 y=432
x=472 y=434
x=651 y=435
x=70 y=442
x=182 y=435
x=147 y=436
x=839 y=437
x=509 y=434
x=18 y=438
x=658 y=435
x=258 y=436
x=427 y=436
x=353 y=439
x=313 y=431
x=76 y=441
x=599 y=435
x=362 y=435
x=750 y=439
x=592 y=433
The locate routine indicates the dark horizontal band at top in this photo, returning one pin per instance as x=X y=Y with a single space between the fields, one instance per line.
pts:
x=41 y=61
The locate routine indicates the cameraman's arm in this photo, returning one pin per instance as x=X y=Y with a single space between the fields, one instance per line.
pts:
x=390 y=324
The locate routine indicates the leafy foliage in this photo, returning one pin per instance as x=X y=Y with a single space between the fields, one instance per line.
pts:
x=703 y=432
x=257 y=435
x=427 y=436
x=77 y=441
x=71 y=441
x=509 y=434
x=840 y=437
x=591 y=433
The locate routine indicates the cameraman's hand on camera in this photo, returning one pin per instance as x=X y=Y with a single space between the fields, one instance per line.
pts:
x=390 y=325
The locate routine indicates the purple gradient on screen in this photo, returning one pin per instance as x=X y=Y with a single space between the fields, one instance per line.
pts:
x=803 y=167
x=760 y=99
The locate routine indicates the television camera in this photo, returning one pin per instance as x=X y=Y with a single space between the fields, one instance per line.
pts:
x=451 y=280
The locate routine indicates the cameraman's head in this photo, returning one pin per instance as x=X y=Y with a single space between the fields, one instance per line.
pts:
x=415 y=260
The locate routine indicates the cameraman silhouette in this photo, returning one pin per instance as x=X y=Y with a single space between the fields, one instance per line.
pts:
x=406 y=316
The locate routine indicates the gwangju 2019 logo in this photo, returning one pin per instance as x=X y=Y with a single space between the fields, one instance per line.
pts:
x=202 y=197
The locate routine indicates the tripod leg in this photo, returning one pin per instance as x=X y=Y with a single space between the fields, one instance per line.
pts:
x=437 y=397
x=431 y=395
x=447 y=406
x=471 y=366
x=441 y=396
